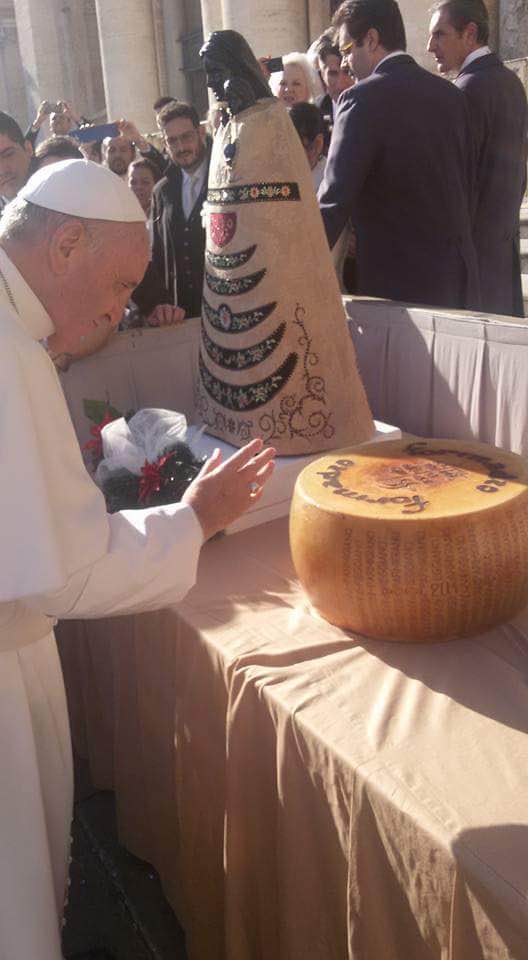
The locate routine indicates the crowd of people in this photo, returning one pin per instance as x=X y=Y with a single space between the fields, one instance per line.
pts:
x=420 y=181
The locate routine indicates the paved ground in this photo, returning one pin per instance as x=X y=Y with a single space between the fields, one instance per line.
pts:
x=117 y=910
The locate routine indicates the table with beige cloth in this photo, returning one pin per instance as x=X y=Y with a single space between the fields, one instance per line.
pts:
x=305 y=794
x=430 y=372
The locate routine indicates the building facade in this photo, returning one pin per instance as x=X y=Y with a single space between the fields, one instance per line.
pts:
x=113 y=58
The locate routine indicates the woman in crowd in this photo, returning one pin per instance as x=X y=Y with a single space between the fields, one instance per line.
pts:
x=142 y=178
x=299 y=83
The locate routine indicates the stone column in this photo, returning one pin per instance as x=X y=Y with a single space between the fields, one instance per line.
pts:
x=319 y=18
x=40 y=51
x=12 y=81
x=128 y=55
x=513 y=29
x=212 y=16
x=81 y=68
x=416 y=17
x=271 y=28
x=97 y=108
x=159 y=44
x=494 y=17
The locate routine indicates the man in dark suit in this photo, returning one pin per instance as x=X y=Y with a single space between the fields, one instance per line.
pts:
x=498 y=112
x=178 y=236
x=399 y=167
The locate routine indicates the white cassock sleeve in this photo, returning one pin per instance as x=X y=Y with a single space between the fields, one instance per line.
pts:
x=62 y=554
x=150 y=562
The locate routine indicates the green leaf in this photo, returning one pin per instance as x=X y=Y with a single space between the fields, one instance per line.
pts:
x=96 y=410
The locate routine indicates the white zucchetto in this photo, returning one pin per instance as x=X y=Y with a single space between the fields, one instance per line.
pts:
x=81 y=188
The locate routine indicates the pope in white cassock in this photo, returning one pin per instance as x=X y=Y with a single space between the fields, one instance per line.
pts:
x=73 y=245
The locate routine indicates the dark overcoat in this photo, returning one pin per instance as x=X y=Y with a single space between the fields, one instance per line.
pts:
x=325 y=104
x=400 y=169
x=178 y=245
x=498 y=118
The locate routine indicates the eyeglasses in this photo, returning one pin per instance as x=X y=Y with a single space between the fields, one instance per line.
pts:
x=347 y=48
x=185 y=139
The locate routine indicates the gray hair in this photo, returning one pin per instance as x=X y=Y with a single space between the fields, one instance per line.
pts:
x=463 y=12
x=25 y=222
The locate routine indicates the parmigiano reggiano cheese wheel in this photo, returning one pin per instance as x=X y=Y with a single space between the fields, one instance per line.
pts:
x=413 y=539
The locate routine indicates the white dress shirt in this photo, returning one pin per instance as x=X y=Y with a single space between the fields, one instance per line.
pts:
x=474 y=55
x=192 y=184
x=318 y=172
x=394 y=53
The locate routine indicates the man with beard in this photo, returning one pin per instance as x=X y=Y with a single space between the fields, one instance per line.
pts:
x=118 y=153
x=178 y=235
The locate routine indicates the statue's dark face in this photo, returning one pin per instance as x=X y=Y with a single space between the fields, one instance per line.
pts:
x=217 y=75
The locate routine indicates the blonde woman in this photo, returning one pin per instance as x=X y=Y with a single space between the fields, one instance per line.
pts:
x=299 y=82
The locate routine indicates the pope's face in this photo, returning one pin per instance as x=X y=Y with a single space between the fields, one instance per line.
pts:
x=449 y=47
x=97 y=276
x=14 y=166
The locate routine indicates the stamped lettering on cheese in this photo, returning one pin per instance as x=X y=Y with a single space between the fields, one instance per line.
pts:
x=420 y=470
x=497 y=473
x=402 y=474
x=332 y=478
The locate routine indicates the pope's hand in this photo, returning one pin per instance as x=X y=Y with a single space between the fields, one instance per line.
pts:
x=222 y=492
x=165 y=315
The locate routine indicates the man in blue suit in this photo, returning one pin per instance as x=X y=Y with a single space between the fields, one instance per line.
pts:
x=458 y=38
x=400 y=167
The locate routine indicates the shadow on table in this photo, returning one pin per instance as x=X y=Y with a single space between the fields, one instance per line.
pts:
x=488 y=907
x=487 y=674
x=248 y=571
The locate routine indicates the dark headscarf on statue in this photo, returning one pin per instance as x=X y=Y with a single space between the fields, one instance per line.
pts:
x=233 y=72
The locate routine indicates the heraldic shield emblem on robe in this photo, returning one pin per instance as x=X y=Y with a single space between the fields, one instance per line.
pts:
x=276 y=359
x=222 y=228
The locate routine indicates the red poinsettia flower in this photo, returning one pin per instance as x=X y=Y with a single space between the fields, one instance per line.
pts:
x=96 y=444
x=152 y=479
